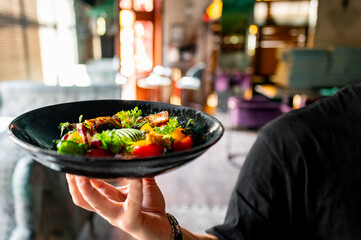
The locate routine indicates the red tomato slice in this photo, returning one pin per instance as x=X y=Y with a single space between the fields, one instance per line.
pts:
x=96 y=144
x=184 y=144
x=100 y=152
x=148 y=150
x=65 y=137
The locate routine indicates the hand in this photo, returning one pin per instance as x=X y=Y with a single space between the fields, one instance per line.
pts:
x=138 y=208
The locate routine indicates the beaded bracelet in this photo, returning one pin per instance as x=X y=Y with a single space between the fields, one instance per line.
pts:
x=176 y=229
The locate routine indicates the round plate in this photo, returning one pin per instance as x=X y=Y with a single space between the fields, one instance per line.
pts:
x=36 y=131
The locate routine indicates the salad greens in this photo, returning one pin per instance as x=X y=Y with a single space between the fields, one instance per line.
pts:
x=71 y=147
x=169 y=128
x=130 y=118
x=118 y=139
x=127 y=132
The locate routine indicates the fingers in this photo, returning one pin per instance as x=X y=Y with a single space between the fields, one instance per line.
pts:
x=100 y=203
x=149 y=181
x=75 y=194
x=133 y=204
x=108 y=201
x=108 y=190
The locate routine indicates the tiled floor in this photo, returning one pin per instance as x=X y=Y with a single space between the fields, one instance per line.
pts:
x=198 y=192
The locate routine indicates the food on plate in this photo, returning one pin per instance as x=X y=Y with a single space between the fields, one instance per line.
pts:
x=126 y=134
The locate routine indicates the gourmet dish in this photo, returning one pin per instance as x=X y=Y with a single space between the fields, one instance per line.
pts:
x=126 y=134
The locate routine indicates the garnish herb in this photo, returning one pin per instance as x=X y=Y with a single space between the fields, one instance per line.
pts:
x=168 y=129
x=190 y=125
x=130 y=118
x=63 y=126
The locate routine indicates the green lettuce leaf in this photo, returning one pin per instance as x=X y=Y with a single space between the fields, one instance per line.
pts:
x=169 y=128
x=118 y=140
x=131 y=118
x=71 y=147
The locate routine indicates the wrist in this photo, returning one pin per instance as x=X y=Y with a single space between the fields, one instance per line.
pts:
x=176 y=233
x=154 y=226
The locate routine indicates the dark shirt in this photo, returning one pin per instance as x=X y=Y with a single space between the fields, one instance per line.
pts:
x=302 y=177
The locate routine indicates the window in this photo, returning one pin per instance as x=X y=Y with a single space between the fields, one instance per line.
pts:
x=37 y=39
x=19 y=40
x=140 y=42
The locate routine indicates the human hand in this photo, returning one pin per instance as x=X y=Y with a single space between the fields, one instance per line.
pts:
x=138 y=208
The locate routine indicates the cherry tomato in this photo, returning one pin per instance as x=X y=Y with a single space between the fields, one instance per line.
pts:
x=96 y=144
x=148 y=150
x=184 y=144
x=100 y=152
x=65 y=137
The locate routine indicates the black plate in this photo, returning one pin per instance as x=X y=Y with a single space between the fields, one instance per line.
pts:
x=36 y=131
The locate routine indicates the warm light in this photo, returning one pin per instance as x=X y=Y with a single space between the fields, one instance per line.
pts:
x=212 y=100
x=125 y=4
x=120 y=79
x=260 y=13
x=298 y=101
x=175 y=100
x=127 y=36
x=176 y=74
x=101 y=26
x=127 y=43
x=143 y=5
x=290 y=13
x=126 y=18
x=214 y=11
x=234 y=39
x=127 y=51
x=226 y=40
x=127 y=69
x=268 y=90
x=139 y=29
x=143 y=45
x=253 y=29
x=248 y=94
x=270 y=31
x=136 y=38
x=313 y=13
x=251 y=44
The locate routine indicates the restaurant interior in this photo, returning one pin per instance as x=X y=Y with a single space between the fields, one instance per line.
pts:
x=244 y=62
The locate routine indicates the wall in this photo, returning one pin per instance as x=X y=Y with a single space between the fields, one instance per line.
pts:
x=189 y=14
x=338 y=25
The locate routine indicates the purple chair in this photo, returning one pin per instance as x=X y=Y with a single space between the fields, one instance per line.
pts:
x=252 y=113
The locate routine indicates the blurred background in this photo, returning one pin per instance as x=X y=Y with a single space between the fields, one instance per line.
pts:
x=244 y=61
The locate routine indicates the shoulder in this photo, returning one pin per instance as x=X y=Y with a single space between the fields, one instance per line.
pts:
x=333 y=108
x=285 y=127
